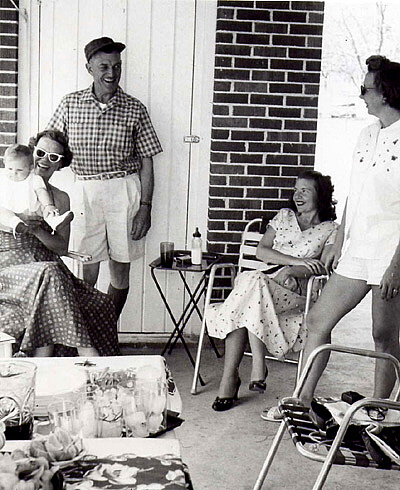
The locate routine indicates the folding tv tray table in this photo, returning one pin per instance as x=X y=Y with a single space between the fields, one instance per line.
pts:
x=194 y=296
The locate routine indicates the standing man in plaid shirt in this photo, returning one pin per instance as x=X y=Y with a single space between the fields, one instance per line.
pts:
x=113 y=141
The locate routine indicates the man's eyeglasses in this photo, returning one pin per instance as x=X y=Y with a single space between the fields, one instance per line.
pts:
x=364 y=89
x=53 y=157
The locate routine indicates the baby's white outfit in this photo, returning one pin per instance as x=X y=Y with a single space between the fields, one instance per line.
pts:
x=21 y=196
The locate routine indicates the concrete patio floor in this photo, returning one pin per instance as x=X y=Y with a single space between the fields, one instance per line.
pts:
x=225 y=451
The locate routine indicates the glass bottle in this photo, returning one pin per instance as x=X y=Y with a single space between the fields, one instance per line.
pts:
x=196 y=252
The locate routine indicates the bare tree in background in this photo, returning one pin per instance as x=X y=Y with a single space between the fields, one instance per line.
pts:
x=355 y=31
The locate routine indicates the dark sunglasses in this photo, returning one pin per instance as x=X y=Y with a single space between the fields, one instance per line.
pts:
x=53 y=157
x=364 y=89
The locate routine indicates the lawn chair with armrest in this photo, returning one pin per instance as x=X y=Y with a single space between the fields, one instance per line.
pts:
x=297 y=421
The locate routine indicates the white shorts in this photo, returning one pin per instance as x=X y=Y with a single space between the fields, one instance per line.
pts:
x=104 y=210
x=369 y=270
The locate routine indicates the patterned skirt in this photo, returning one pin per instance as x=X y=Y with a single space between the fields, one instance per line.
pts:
x=42 y=302
x=271 y=312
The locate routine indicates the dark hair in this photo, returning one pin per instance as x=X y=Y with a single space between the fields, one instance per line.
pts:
x=386 y=78
x=19 y=151
x=57 y=136
x=326 y=205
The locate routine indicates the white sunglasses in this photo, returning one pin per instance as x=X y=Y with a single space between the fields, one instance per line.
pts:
x=53 y=157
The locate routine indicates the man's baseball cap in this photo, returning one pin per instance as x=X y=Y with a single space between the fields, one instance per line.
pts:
x=102 y=44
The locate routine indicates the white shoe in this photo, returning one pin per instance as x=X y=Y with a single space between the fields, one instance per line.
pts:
x=272 y=414
x=59 y=222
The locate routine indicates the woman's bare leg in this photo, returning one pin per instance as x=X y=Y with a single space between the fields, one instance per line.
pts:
x=339 y=296
x=45 y=351
x=235 y=343
x=385 y=331
x=87 y=352
x=258 y=351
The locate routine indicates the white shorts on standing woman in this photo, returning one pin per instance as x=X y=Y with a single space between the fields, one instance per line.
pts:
x=369 y=270
x=104 y=211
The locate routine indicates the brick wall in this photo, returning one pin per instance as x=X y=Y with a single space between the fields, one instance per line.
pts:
x=267 y=72
x=8 y=74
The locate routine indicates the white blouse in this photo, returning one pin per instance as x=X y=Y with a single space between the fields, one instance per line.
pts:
x=373 y=207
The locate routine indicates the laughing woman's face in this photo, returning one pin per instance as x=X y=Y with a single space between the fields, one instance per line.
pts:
x=45 y=160
x=305 y=195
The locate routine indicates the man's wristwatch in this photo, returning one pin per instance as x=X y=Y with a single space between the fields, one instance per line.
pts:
x=146 y=203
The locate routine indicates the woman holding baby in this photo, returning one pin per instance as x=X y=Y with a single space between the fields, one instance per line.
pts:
x=42 y=304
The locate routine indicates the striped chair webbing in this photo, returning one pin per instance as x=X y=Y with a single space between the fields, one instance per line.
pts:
x=312 y=443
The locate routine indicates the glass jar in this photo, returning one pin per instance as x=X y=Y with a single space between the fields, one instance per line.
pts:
x=17 y=398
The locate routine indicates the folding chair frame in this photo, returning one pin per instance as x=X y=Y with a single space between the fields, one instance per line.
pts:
x=78 y=260
x=232 y=269
x=328 y=460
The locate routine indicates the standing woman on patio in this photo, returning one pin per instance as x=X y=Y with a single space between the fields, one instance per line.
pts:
x=267 y=309
x=366 y=253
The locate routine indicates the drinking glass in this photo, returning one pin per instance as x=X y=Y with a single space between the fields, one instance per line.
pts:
x=64 y=414
x=167 y=254
x=108 y=411
x=144 y=408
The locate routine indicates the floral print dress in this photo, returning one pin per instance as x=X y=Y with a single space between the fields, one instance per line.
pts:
x=270 y=311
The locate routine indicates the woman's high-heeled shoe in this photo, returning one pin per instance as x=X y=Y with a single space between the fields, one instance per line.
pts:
x=226 y=403
x=259 y=385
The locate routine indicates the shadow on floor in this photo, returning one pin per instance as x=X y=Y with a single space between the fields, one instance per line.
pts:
x=225 y=451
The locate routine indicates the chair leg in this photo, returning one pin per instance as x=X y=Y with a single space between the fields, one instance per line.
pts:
x=198 y=357
x=299 y=363
x=270 y=456
x=323 y=474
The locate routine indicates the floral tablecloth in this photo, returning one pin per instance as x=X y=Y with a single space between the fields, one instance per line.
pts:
x=127 y=472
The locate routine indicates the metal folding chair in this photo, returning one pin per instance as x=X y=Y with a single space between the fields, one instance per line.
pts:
x=303 y=432
x=251 y=237
x=78 y=259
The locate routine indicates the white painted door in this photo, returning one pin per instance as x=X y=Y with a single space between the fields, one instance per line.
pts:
x=168 y=65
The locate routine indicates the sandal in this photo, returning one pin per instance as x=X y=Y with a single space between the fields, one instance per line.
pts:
x=272 y=414
x=292 y=401
x=377 y=414
x=226 y=403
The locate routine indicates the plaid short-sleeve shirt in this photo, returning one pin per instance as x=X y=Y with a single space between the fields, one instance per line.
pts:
x=116 y=137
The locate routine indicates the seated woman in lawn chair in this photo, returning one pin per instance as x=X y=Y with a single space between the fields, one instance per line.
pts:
x=265 y=309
